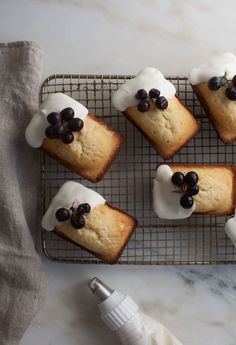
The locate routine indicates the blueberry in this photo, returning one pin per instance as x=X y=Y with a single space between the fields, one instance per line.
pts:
x=141 y=94
x=75 y=124
x=154 y=93
x=80 y=209
x=177 y=179
x=62 y=214
x=54 y=118
x=231 y=93
x=87 y=207
x=234 y=80
x=193 y=190
x=67 y=114
x=191 y=178
x=215 y=83
x=77 y=221
x=186 y=201
x=67 y=137
x=57 y=130
x=53 y=132
x=161 y=103
x=83 y=208
x=143 y=106
x=49 y=132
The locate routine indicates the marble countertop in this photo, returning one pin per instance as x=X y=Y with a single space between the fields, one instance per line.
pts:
x=95 y=36
x=196 y=303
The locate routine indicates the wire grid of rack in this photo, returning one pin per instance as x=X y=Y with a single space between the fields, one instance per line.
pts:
x=127 y=185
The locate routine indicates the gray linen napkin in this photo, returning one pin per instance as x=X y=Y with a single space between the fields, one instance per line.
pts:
x=22 y=279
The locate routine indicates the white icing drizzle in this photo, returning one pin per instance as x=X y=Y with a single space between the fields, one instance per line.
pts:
x=216 y=67
x=67 y=194
x=147 y=79
x=230 y=228
x=56 y=102
x=166 y=200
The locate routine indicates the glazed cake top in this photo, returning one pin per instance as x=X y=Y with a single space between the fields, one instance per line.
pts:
x=149 y=78
x=70 y=192
x=218 y=66
x=55 y=102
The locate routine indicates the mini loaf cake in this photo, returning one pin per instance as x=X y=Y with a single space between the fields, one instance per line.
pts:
x=215 y=86
x=230 y=228
x=149 y=101
x=64 y=130
x=181 y=189
x=83 y=217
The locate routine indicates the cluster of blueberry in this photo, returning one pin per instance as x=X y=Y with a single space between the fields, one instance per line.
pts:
x=215 y=83
x=188 y=185
x=146 y=98
x=62 y=125
x=75 y=214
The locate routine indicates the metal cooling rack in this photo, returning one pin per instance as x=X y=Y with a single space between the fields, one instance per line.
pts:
x=128 y=183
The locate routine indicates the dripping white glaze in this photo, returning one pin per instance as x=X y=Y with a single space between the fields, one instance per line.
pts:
x=230 y=229
x=67 y=194
x=218 y=66
x=166 y=197
x=56 y=102
x=147 y=79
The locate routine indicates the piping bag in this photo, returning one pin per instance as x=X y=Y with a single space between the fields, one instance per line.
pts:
x=122 y=315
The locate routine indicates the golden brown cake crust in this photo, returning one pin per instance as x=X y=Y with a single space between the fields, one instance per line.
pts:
x=167 y=130
x=91 y=153
x=106 y=232
x=221 y=110
x=217 y=184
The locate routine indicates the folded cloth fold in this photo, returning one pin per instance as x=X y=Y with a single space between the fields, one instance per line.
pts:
x=22 y=279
